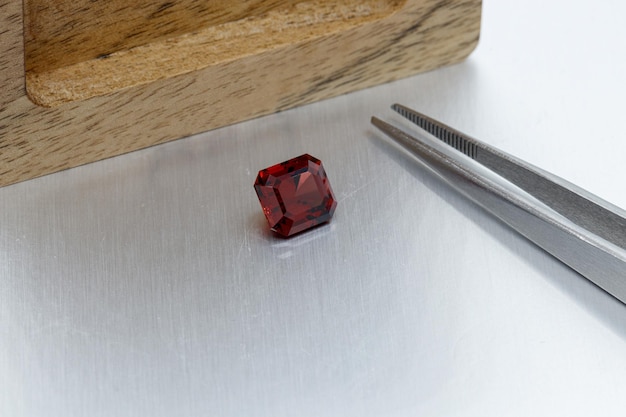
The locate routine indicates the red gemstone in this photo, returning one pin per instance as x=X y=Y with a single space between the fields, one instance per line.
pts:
x=295 y=195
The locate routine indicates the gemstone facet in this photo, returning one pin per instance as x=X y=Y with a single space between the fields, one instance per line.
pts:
x=295 y=195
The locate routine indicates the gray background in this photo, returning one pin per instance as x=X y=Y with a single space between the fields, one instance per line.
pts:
x=149 y=285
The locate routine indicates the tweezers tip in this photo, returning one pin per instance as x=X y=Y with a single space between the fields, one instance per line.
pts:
x=384 y=126
x=377 y=122
x=408 y=113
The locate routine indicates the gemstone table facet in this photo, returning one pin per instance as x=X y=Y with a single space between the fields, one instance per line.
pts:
x=295 y=195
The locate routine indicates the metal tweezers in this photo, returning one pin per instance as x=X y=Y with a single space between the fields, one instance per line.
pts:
x=581 y=230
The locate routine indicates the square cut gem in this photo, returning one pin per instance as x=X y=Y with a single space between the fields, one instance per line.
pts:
x=295 y=195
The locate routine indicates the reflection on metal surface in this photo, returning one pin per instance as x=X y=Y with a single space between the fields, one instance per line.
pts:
x=285 y=247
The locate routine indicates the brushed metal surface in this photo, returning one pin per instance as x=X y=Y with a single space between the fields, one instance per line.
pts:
x=149 y=285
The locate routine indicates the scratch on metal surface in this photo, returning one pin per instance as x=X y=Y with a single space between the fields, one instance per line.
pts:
x=350 y=194
x=353 y=192
x=245 y=243
x=285 y=255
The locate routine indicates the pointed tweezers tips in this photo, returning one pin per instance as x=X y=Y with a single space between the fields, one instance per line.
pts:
x=580 y=229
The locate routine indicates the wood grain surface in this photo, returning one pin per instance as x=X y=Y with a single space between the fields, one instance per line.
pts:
x=64 y=32
x=232 y=70
x=253 y=35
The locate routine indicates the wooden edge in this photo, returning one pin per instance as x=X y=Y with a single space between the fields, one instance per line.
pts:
x=59 y=33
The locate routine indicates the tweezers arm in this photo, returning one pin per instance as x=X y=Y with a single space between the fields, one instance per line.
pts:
x=581 y=207
x=602 y=262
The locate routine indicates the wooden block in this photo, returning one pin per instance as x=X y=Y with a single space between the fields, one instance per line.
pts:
x=82 y=80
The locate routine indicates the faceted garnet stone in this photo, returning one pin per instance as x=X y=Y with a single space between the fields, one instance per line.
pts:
x=295 y=195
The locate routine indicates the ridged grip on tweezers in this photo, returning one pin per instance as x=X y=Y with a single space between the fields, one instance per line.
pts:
x=568 y=200
x=445 y=133
x=601 y=260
